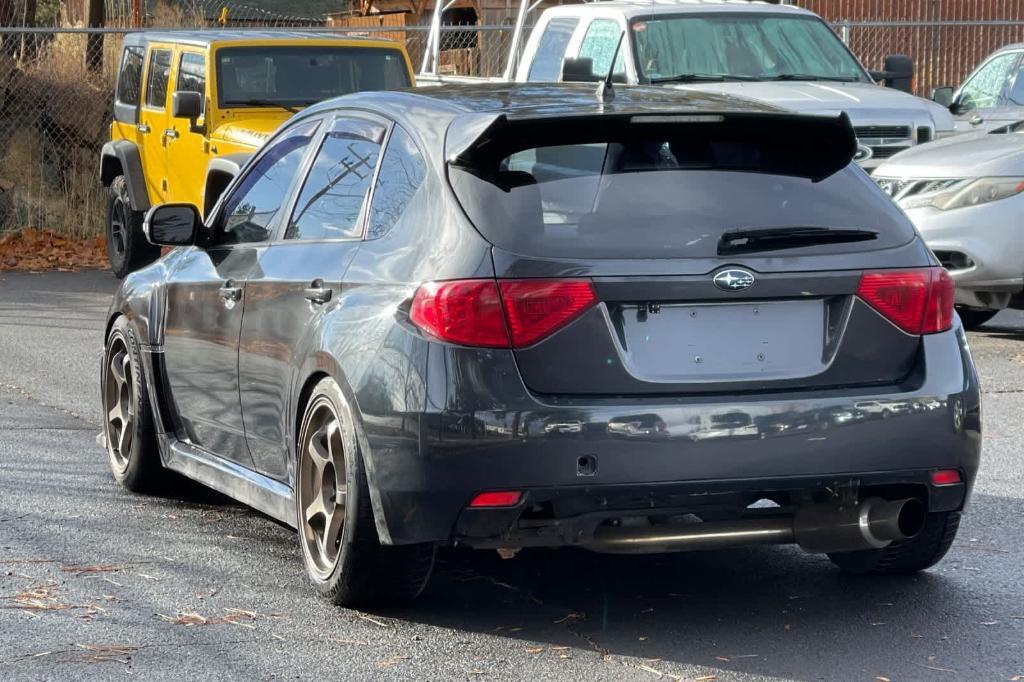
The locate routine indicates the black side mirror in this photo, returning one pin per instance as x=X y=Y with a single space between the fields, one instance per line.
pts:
x=899 y=72
x=579 y=70
x=172 y=224
x=187 y=104
x=943 y=96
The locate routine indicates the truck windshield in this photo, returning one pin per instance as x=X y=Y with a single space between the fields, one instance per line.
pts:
x=751 y=46
x=291 y=76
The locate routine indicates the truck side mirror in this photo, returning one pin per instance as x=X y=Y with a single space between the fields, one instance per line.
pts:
x=943 y=96
x=899 y=72
x=579 y=70
x=187 y=104
x=171 y=224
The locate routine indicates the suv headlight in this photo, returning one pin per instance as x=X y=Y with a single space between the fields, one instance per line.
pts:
x=967 y=193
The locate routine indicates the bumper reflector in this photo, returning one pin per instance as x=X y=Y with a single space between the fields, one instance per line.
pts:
x=946 y=477
x=499 y=498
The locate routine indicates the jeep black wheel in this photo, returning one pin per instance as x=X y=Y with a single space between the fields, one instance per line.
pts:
x=127 y=247
x=343 y=555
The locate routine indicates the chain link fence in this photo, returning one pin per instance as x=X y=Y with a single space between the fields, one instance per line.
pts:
x=56 y=88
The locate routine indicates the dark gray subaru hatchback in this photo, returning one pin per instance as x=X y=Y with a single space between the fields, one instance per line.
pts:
x=524 y=315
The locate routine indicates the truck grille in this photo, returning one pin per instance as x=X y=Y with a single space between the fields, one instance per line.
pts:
x=883 y=132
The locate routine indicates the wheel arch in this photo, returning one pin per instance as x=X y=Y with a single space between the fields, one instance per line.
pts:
x=322 y=365
x=121 y=157
x=220 y=173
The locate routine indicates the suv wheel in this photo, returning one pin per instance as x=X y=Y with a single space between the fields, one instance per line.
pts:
x=128 y=421
x=975 y=317
x=910 y=556
x=127 y=247
x=340 y=548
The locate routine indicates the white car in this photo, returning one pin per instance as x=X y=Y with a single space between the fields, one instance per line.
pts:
x=965 y=195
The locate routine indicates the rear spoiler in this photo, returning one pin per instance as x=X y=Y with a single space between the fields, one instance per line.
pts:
x=800 y=145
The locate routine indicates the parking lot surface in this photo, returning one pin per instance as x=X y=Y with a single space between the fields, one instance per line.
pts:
x=98 y=583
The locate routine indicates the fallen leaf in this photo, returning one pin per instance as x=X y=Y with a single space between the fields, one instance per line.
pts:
x=534 y=649
x=722 y=658
x=570 y=616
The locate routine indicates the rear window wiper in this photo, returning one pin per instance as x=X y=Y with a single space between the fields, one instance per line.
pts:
x=811 y=77
x=777 y=238
x=702 y=78
x=262 y=103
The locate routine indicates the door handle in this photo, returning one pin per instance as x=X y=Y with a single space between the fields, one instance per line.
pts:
x=229 y=292
x=977 y=120
x=142 y=128
x=171 y=133
x=316 y=293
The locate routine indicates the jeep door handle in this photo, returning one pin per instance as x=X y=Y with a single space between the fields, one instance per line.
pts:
x=230 y=293
x=171 y=133
x=142 y=128
x=316 y=293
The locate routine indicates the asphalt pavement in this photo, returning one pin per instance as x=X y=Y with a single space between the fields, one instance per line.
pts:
x=98 y=583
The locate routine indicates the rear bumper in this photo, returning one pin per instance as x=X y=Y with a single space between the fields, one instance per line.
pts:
x=667 y=453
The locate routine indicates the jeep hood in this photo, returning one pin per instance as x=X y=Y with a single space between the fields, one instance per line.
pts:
x=865 y=103
x=247 y=132
x=970 y=155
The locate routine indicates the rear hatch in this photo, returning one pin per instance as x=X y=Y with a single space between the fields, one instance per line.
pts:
x=724 y=252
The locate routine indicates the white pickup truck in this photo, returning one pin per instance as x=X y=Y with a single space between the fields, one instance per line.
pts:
x=782 y=55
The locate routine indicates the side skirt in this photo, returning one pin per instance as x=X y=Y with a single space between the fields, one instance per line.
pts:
x=255 y=490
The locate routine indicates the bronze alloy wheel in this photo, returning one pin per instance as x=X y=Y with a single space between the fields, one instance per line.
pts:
x=119 y=404
x=322 y=487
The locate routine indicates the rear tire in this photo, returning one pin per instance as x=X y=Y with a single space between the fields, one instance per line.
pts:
x=341 y=550
x=973 y=318
x=910 y=556
x=127 y=246
x=128 y=430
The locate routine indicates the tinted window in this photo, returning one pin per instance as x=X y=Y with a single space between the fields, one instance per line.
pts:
x=1016 y=97
x=129 y=80
x=401 y=173
x=192 y=74
x=250 y=210
x=547 y=63
x=984 y=88
x=740 y=44
x=335 y=190
x=296 y=75
x=599 y=44
x=660 y=192
x=159 y=72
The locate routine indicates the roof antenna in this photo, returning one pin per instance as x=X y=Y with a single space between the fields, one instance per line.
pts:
x=606 y=90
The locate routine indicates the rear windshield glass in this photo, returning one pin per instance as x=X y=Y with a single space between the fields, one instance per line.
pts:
x=300 y=76
x=664 y=196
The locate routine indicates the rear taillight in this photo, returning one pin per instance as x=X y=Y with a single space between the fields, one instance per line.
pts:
x=917 y=301
x=499 y=314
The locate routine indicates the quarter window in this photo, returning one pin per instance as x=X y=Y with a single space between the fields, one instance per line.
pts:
x=250 y=211
x=156 y=83
x=129 y=80
x=983 y=90
x=547 y=62
x=401 y=173
x=330 y=205
x=192 y=75
x=1016 y=95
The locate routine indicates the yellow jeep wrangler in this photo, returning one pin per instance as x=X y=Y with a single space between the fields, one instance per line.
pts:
x=190 y=107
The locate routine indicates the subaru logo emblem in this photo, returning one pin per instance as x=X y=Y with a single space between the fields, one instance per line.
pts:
x=863 y=153
x=733 y=280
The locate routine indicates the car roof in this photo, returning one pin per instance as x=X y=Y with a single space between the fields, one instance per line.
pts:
x=633 y=8
x=536 y=100
x=206 y=38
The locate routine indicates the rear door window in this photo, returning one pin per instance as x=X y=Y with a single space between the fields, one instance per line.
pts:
x=599 y=44
x=547 y=62
x=331 y=203
x=667 y=193
x=984 y=89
